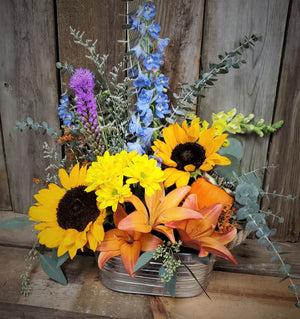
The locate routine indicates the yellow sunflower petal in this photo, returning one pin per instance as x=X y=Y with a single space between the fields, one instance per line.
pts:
x=64 y=179
x=74 y=176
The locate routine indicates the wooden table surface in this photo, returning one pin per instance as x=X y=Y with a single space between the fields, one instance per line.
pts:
x=233 y=295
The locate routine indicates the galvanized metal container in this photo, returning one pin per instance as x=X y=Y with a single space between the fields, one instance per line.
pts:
x=146 y=281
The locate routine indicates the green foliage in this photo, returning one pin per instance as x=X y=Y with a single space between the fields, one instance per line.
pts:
x=30 y=124
x=64 y=68
x=229 y=60
x=16 y=223
x=143 y=260
x=49 y=265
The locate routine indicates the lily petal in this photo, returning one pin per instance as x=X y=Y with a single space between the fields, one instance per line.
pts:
x=136 y=221
x=130 y=254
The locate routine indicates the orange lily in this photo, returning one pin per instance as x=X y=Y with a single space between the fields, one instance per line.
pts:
x=128 y=244
x=161 y=210
x=209 y=194
x=201 y=234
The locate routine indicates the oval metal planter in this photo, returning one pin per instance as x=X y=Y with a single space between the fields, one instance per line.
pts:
x=114 y=277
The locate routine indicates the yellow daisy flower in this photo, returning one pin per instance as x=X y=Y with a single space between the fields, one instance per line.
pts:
x=68 y=216
x=112 y=193
x=184 y=152
x=144 y=170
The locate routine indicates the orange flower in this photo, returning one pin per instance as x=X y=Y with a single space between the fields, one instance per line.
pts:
x=161 y=210
x=201 y=234
x=209 y=194
x=128 y=244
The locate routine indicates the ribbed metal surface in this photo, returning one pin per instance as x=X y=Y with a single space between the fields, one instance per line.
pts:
x=146 y=281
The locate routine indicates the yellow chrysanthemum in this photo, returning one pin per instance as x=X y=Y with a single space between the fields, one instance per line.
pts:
x=107 y=168
x=184 y=152
x=112 y=193
x=68 y=216
x=144 y=170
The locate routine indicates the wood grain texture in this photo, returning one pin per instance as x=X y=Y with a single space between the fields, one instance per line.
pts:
x=252 y=89
x=28 y=88
x=5 y=203
x=181 y=21
x=285 y=145
x=100 y=20
x=232 y=295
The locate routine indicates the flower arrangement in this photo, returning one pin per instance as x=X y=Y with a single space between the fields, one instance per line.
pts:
x=142 y=178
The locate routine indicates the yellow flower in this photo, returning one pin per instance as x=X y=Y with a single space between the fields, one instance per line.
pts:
x=69 y=217
x=112 y=193
x=145 y=171
x=107 y=168
x=184 y=152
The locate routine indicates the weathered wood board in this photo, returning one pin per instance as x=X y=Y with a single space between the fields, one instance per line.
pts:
x=101 y=21
x=28 y=88
x=285 y=146
x=232 y=295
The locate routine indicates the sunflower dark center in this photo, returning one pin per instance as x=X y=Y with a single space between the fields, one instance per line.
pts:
x=188 y=153
x=77 y=208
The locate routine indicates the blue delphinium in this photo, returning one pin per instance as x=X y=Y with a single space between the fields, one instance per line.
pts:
x=151 y=85
x=63 y=112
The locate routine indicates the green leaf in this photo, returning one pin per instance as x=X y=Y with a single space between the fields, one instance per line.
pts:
x=235 y=148
x=285 y=268
x=143 y=260
x=262 y=241
x=29 y=120
x=58 y=65
x=295 y=276
x=229 y=170
x=59 y=260
x=273 y=247
x=297 y=304
x=294 y=288
x=126 y=26
x=251 y=225
x=49 y=265
x=170 y=285
x=16 y=222
x=274 y=258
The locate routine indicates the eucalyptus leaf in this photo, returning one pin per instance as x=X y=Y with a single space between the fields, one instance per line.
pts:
x=235 y=148
x=143 y=260
x=49 y=265
x=251 y=225
x=285 y=268
x=16 y=222
x=229 y=170
x=293 y=288
x=273 y=247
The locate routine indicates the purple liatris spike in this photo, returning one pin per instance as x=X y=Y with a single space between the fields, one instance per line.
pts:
x=82 y=82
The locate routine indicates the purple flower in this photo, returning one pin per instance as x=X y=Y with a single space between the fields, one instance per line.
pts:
x=148 y=11
x=82 y=81
x=142 y=81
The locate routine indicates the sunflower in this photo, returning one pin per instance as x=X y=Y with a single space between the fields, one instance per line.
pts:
x=68 y=216
x=185 y=151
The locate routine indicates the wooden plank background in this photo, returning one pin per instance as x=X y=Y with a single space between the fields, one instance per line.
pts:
x=35 y=34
